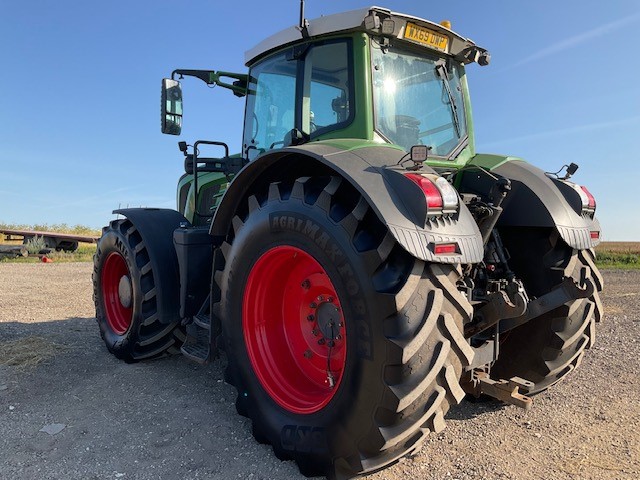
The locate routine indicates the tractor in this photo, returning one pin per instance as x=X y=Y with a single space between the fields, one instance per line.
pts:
x=361 y=267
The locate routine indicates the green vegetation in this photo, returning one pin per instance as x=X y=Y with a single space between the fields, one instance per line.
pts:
x=84 y=253
x=618 y=255
x=35 y=245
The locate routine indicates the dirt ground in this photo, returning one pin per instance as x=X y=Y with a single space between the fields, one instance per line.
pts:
x=171 y=419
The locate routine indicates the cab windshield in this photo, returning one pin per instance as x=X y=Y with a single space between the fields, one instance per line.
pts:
x=418 y=100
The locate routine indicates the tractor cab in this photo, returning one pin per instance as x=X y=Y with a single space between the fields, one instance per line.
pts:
x=369 y=74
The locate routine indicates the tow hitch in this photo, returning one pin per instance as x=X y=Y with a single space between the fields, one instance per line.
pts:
x=508 y=391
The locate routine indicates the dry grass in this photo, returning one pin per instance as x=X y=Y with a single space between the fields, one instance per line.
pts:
x=28 y=352
x=619 y=247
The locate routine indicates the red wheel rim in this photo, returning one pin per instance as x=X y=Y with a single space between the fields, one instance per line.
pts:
x=116 y=293
x=294 y=329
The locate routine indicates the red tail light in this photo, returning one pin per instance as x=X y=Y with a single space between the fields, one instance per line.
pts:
x=445 y=248
x=431 y=192
x=591 y=200
x=442 y=198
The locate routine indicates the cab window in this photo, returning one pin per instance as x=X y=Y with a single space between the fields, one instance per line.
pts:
x=326 y=88
x=321 y=76
x=270 y=113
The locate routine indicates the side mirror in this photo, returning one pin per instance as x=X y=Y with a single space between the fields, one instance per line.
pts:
x=171 y=107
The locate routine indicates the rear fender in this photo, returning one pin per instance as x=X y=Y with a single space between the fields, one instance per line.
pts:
x=536 y=200
x=372 y=170
x=156 y=227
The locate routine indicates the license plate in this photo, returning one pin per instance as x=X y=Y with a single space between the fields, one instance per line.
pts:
x=426 y=37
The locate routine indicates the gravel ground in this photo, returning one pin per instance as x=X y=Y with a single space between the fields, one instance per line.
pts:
x=173 y=419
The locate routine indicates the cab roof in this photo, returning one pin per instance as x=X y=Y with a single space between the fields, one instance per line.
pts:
x=371 y=20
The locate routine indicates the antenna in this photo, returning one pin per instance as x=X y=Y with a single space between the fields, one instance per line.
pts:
x=304 y=23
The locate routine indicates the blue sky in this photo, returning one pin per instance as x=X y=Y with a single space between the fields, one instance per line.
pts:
x=80 y=82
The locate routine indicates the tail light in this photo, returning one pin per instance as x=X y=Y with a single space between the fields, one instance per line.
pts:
x=591 y=201
x=586 y=199
x=441 y=197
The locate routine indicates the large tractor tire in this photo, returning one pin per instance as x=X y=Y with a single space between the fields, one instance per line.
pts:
x=546 y=349
x=125 y=297
x=345 y=350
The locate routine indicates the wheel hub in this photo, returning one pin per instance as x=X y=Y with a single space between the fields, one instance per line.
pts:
x=125 y=292
x=329 y=320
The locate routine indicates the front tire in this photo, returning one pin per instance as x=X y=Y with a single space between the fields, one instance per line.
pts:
x=125 y=297
x=312 y=254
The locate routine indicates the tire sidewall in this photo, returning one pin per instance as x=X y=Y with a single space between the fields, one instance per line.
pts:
x=330 y=432
x=114 y=241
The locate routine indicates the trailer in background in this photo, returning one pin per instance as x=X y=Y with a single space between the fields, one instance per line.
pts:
x=55 y=240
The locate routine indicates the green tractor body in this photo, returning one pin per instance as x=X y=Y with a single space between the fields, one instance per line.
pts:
x=361 y=265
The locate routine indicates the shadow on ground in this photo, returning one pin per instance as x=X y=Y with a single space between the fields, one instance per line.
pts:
x=165 y=418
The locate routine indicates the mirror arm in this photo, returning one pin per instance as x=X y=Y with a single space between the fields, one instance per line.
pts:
x=210 y=77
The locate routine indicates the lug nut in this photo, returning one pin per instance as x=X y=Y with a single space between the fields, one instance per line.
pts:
x=338 y=337
x=313 y=305
x=311 y=318
x=320 y=298
x=331 y=343
x=315 y=332
x=330 y=299
x=321 y=341
x=306 y=284
x=340 y=325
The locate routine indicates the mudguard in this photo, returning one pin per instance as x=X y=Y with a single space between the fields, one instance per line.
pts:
x=536 y=200
x=156 y=227
x=372 y=170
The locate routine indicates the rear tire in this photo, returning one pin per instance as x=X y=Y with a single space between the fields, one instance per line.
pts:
x=546 y=349
x=401 y=350
x=125 y=297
